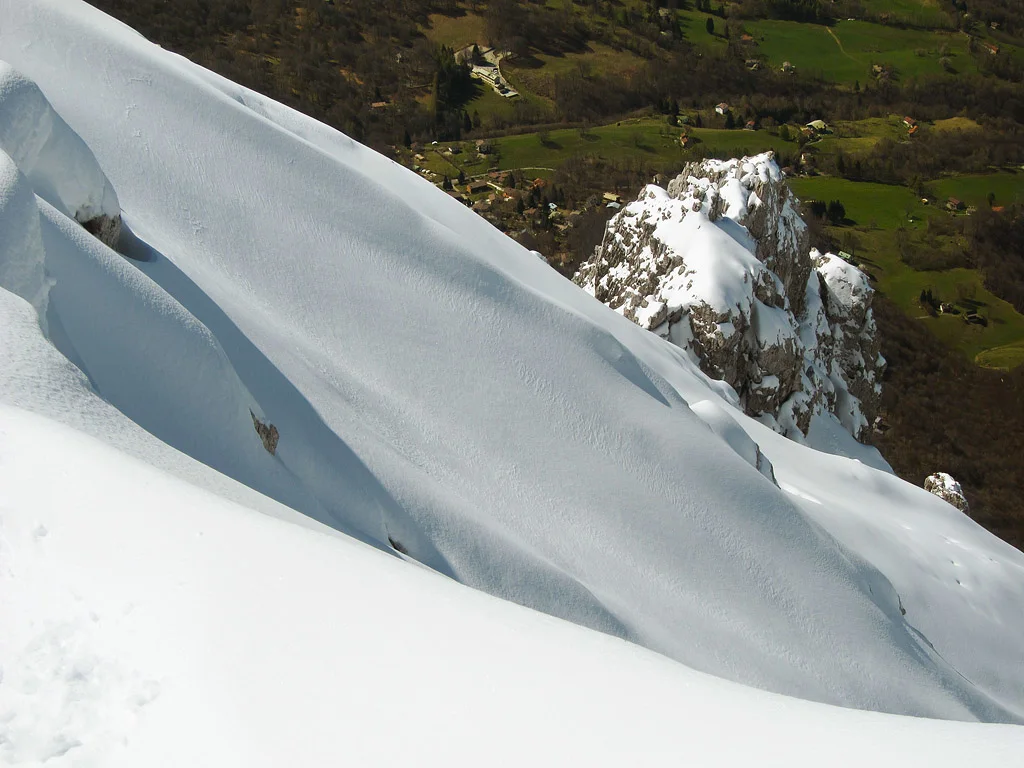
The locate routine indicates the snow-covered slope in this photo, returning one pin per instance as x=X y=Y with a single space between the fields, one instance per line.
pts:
x=242 y=640
x=439 y=390
x=206 y=635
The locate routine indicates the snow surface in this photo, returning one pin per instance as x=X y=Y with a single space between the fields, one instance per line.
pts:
x=222 y=638
x=436 y=386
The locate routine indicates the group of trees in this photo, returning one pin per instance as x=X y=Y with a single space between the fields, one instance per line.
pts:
x=812 y=11
x=996 y=247
x=834 y=211
x=1008 y=15
x=518 y=27
x=931 y=154
x=452 y=88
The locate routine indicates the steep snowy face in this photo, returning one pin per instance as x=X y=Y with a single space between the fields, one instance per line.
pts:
x=718 y=263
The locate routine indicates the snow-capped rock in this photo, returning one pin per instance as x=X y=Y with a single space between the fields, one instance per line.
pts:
x=57 y=163
x=946 y=488
x=724 y=248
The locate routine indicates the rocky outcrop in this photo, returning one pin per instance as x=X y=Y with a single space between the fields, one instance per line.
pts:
x=268 y=433
x=947 y=489
x=719 y=264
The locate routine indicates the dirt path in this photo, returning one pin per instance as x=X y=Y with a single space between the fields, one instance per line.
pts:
x=840 y=44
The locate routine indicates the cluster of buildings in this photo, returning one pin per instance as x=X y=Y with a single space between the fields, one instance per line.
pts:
x=485 y=67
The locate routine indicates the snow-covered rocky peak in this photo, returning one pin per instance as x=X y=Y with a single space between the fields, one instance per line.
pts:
x=946 y=488
x=724 y=249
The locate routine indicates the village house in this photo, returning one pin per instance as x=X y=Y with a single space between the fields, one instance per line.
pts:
x=611 y=197
x=909 y=122
x=750 y=125
x=787 y=67
x=476 y=187
x=954 y=204
x=721 y=108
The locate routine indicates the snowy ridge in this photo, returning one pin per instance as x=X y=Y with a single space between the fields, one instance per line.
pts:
x=718 y=263
x=495 y=424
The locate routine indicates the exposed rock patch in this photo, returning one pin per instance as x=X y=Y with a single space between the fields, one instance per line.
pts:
x=947 y=489
x=268 y=434
x=106 y=229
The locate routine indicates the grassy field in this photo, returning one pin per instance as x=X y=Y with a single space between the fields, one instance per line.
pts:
x=974 y=189
x=695 y=31
x=869 y=206
x=1006 y=357
x=859 y=137
x=648 y=139
x=845 y=52
x=878 y=210
x=956 y=124
x=537 y=73
x=456 y=31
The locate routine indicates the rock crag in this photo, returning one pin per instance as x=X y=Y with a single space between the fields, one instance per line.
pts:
x=946 y=488
x=719 y=264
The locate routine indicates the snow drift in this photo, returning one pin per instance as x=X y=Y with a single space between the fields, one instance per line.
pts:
x=56 y=161
x=440 y=392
